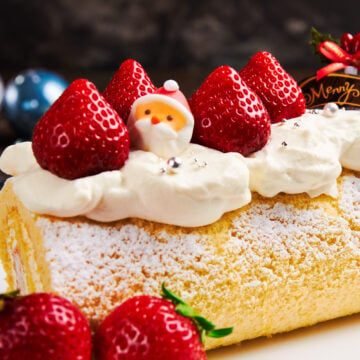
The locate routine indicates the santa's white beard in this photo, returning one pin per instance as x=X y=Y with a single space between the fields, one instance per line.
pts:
x=161 y=139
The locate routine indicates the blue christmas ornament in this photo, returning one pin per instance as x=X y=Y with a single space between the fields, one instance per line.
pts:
x=28 y=96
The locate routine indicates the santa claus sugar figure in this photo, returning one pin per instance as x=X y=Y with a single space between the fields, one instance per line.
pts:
x=161 y=122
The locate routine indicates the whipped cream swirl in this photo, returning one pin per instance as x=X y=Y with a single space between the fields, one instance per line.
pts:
x=303 y=155
x=196 y=195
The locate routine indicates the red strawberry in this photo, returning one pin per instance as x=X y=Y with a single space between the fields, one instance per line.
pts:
x=42 y=326
x=81 y=134
x=129 y=83
x=279 y=92
x=229 y=116
x=147 y=328
x=151 y=328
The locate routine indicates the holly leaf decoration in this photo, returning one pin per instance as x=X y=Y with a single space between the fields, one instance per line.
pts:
x=204 y=326
x=317 y=38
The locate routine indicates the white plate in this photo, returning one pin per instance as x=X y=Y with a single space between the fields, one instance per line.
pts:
x=332 y=340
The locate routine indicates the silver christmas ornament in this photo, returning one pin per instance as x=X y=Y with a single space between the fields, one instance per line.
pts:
x=330 y=109
x=173 y=165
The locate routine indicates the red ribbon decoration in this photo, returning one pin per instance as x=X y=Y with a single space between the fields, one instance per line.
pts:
x=341 y=58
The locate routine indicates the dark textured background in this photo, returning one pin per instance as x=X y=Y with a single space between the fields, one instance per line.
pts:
x=180 y=39
x=95 y=34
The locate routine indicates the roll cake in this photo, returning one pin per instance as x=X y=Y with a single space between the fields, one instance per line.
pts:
x=255 y=225
x=279 y=262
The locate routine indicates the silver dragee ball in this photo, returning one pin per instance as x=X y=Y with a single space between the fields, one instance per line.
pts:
x=174 y=164
x=330 y=109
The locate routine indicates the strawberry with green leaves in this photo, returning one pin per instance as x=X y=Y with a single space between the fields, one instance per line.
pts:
x=151 y=328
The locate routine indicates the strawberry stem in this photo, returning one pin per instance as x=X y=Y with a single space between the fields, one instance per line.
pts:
x=11 y=295
x=168 y=295
x=204 y=326
x=15 y=294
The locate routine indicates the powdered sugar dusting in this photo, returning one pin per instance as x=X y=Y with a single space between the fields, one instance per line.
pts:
x=268 y=235
x=99 y=266
x=349 y=201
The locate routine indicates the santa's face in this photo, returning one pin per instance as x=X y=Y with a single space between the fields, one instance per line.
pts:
x=158 y=112
x=160 y=128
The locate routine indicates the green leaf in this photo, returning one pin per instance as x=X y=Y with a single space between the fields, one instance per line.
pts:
x=204 y=326
x=218 y=333
x=202 y=336
x=10 y=295
x=185 y=310
x=204 y=323
x=317 y=38
x=167 y=294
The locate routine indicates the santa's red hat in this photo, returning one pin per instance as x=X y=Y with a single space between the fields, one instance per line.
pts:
x=171 y=89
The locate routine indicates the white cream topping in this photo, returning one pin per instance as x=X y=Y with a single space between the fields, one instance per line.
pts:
x=195 y=195
x=303 y=155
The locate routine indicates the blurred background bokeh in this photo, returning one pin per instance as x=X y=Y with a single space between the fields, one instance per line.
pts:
x=177 y=39
x=84 y=36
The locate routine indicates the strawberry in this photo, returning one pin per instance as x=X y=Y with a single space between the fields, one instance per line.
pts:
x=229 y=116
x=81 y=134
x=129 y=83
x=41 y=327
x=150 y=328
x=279 y=92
